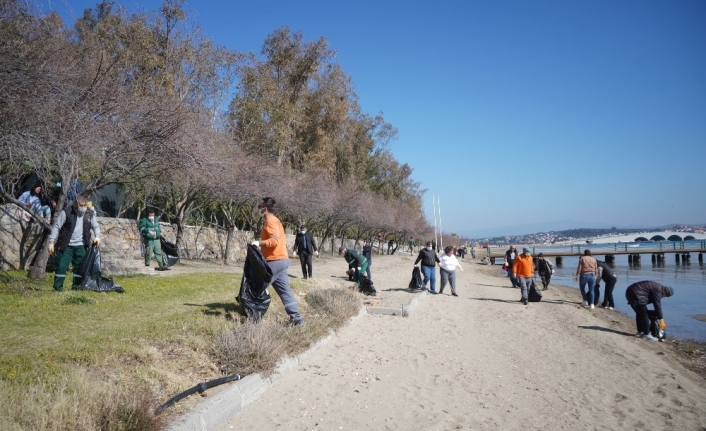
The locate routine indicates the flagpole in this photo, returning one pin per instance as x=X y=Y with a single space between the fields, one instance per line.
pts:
x=441 y=238
x=433 y=202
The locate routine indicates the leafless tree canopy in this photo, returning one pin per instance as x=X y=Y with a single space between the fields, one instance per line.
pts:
x=136 y=101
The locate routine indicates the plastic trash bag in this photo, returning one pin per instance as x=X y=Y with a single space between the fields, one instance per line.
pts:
x=253 y=297
x=90 y=272
x=170 y=252
x=417 y=282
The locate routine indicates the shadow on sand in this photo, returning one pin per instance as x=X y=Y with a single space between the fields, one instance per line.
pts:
x=602 y=329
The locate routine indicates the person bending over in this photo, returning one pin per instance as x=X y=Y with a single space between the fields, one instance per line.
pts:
x=639 y=295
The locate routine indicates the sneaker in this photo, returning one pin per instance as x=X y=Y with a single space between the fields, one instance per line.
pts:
x=297 y=322
x=648 y=337
x=584 y=303
x=610 y=308
x=592 y=306
x=524 y=301
x=454 y=294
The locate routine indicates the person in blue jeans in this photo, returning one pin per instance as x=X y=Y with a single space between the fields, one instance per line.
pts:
x=429 y=259
x=586 y=273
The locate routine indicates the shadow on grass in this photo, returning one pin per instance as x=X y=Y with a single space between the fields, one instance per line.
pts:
x=402 y=289
x=230 y=310
x=602 y=329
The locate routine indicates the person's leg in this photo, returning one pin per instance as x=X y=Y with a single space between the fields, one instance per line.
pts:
x=302 y=261
x=591 y=281
x=63 y=260
x=596 y=293
x=444 y=279
x=452 y=282
x=426 y=272
x=524 y=286
x=582 y=288
x=608 y=300
x=280 y=282
x=78 y=254
x=432 y=278
x=148 y=252
x=157 y=250
x=309 y=263
x=367 y=270
x=642 y=318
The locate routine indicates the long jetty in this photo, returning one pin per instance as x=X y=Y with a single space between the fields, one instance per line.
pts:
x=680 y=249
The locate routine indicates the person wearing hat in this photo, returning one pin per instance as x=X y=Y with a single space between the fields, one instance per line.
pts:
x=305 y=247
x=639 y=295
x=524 y=271
x=545 y=269
x=151 y=234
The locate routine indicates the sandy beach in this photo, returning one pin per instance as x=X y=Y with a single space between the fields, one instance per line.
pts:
x=480 y=361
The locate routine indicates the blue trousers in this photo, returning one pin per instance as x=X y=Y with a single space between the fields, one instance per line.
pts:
x=429 y=275
x=590 y=281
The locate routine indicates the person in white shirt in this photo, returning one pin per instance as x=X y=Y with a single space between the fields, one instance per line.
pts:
x=448 y=265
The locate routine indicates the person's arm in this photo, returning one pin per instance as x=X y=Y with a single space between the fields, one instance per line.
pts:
x=143 y=227
x=457 y=263
x=96 y=228
x=57 y=226
x=419 y=257
x=295 y=249
x=436 y=258
x=272 y=232
x=578 y=268
x=313 y=243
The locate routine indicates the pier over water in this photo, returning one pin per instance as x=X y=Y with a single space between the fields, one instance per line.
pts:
x=680 y=249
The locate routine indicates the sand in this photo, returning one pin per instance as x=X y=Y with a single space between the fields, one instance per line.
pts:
x=480 y=361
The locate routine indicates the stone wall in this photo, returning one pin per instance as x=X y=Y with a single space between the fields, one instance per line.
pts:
x=121 y=240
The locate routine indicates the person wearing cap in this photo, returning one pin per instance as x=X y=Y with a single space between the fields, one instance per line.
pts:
x=72 y=234
x=151 y=234
x=32 y=200
x=273 y=246
x=524 y=271
x=305 y=247
x=510 y=256
x=586 y=273
x=639 y=295
x=429 y=259
x=545 y=269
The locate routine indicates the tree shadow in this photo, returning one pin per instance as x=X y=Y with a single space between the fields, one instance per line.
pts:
x=602 y=329
x=229 y=310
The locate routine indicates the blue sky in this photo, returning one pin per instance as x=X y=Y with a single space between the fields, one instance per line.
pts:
x=514 y=113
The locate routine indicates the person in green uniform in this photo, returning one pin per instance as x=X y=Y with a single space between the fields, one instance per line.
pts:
x=151 y=233
x=355 y=261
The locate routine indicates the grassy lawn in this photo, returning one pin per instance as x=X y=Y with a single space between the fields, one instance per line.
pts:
x=76 y=360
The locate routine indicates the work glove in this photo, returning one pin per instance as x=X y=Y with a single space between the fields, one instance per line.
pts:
x=662 y=325
x=255 y=243
x=154 y=234
x=51 y=248
x=97 y=242
x=316 y=253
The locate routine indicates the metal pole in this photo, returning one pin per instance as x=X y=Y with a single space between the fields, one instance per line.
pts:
x=433 y=202
x=441 y=238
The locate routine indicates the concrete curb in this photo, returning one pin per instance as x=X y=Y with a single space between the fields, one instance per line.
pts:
x=403 y=311
x=215 y=411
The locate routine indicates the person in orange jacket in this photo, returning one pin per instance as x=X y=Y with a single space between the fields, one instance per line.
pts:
x=524 y=271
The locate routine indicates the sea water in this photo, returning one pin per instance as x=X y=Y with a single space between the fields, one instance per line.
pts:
x=687 y=279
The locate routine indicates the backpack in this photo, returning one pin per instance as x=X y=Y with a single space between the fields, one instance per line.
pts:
x=533 y=294
x=417 y=282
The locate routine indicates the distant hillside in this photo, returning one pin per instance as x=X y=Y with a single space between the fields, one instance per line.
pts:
x=556 y=236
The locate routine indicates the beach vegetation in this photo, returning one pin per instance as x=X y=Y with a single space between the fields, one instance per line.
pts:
x=87 y=360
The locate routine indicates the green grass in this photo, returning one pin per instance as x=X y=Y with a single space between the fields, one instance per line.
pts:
x=127 y=353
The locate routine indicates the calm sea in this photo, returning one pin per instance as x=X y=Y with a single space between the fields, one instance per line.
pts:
x=688 y=281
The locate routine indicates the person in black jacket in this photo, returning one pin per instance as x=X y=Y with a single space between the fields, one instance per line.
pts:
x=429 y=259
x=305 y=247
x=639 y=295
x=510 y=256
x=606 y=274
x=545 y=269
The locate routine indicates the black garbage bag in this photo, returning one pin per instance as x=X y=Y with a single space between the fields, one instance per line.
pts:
x=366 y=286
x=170 y=252
x=90 y=272
x=52 y=263
x=533 y=293
x=253 y=297
x=655 y=330
x=417 y=282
